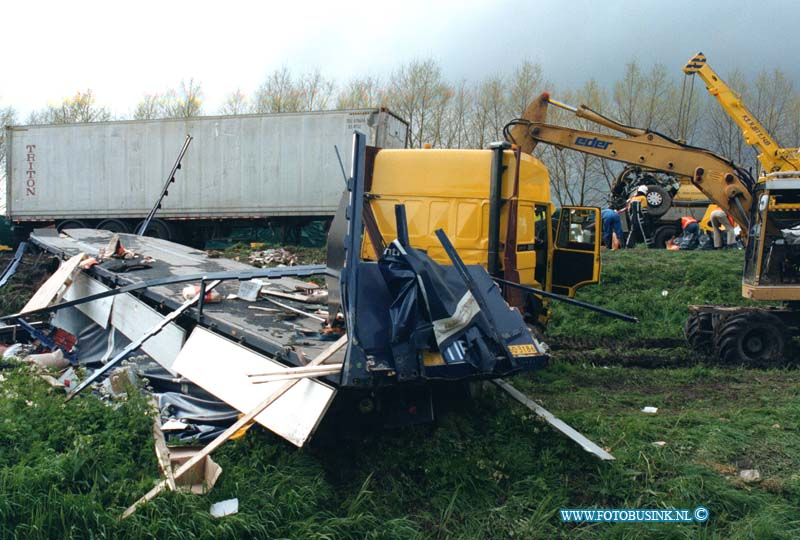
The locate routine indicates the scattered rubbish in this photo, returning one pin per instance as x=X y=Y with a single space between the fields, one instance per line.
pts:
x=173 y=424
x=53 y=359
x=120 y=379
x=49 y=379
x=750 y=475
x=272 y=257
x=225 y=508
x=665 y=293
x=273 y=397
x=297 y=311
x=17 y=351
x=660 y=443
x=69 y=379
x=776 y=426
x=650 y=410
x=191 y=291
x=248 y=290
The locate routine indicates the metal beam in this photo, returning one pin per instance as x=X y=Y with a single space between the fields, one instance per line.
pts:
x=560 y=425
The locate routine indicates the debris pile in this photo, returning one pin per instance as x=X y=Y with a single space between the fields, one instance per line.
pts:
x=272 y=257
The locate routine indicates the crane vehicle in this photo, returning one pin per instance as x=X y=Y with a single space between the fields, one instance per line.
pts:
x=770 y=212
x=664 y=164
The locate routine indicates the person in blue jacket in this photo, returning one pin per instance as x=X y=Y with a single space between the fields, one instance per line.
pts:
x=611 y=225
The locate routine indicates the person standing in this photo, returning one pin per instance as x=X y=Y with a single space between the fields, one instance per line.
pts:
x=719 y=221
x=637 y=219
x=612 y=227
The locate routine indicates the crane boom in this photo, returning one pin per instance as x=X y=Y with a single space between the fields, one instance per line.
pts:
x=771 y=156
x=718 y=178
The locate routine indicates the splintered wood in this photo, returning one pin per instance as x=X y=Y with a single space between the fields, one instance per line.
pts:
x=55 y=287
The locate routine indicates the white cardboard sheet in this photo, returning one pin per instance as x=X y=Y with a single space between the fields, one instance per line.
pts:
x=221 y=367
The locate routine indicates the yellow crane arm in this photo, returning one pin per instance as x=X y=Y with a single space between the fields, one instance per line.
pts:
x=771 y=156
x=718 y=178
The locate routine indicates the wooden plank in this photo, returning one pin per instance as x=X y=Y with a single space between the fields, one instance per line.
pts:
x=222 y=367
x=228 y=433
x=296 y=370
x=52 y=291
x=162 y=452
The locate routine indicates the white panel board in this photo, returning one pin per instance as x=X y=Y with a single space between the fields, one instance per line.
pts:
x=130 y=316
x=99 y=310
x=221 y=367
x=133 y=318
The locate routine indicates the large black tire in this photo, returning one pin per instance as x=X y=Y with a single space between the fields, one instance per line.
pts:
x=699 y=331
x=113 y=225
x=658 y=201
x=752 y=338
x=158 y=228
x=662 y=235
x=71 y=224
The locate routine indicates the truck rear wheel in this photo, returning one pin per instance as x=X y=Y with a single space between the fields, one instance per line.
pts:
x=114 y=225
x=71 y=224
x=751 y=337
x=158 y=228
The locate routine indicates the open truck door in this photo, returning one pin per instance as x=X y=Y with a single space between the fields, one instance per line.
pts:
x=576 y=253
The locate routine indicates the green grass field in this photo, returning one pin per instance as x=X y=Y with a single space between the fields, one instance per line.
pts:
x=487 y=469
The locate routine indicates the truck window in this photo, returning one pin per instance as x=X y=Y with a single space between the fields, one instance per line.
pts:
x=578 y=231
x=540 y=225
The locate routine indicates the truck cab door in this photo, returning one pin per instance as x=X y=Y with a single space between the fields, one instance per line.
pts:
x=576 y=253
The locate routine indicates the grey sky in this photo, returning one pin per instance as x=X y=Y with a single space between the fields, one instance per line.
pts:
x=53 y=49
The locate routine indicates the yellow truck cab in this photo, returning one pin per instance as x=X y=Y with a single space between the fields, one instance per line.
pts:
x=496 y=209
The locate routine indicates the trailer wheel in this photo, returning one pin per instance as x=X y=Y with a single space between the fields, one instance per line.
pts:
x=158 y=228
x=71 y=224
x=751 y=337
x=699 y=331
x=114 y=225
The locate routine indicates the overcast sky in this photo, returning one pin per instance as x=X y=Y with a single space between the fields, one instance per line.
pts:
x=124 y=50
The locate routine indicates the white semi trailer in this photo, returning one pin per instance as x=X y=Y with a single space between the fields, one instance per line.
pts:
x=238 y=169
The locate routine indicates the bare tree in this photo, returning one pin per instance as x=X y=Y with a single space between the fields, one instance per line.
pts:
x=278 y=93
x=361 y=93
x=186 y=102
x=773 y=94
x=235 y=103
x=628 y=94
x=577 y=178
x=490 y=113
x=82 y=107
x=151 y=106
x=418 y=93
x=658 y=94
x=8 y=117
x=723 y=134
x=527 y=82
x=316 y=91
x=455 y=131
